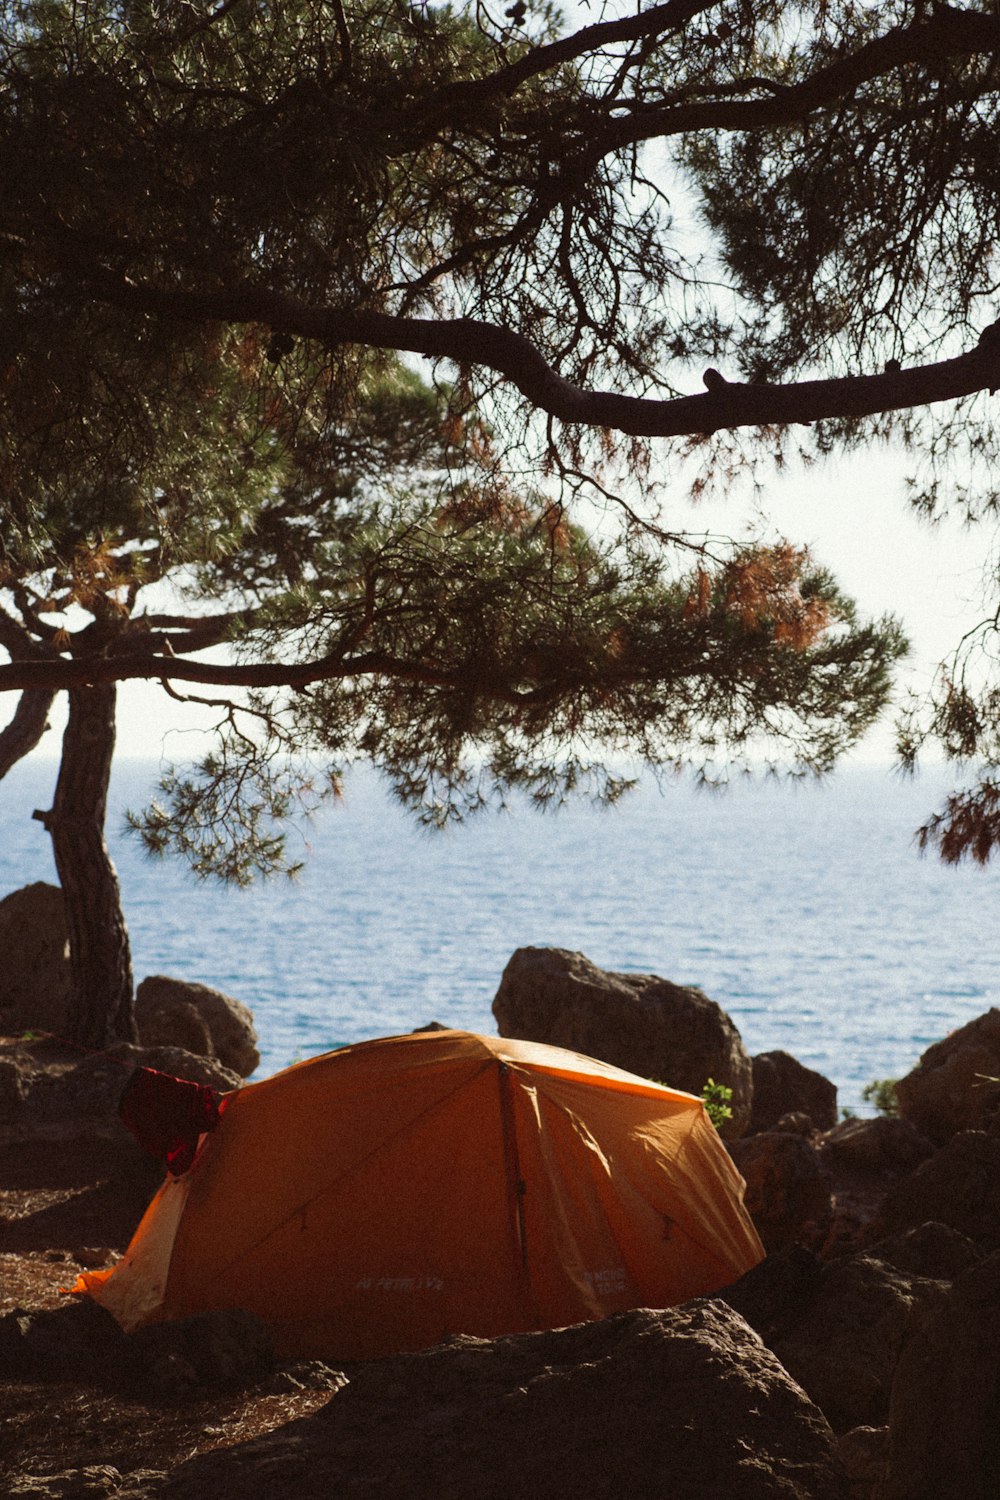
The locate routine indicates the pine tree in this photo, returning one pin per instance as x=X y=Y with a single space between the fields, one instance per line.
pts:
x=231 y=235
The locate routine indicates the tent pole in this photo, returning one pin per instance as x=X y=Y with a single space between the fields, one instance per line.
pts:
x=516 y=1185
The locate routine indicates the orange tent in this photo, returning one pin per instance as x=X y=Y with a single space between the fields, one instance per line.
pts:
x=384 y=1196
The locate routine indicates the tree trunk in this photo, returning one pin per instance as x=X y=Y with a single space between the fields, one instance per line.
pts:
x=100 y=958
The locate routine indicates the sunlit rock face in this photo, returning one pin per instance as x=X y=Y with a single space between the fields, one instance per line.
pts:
x=640 y=1022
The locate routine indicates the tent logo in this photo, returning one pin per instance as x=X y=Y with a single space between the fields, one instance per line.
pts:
x=608 y=1283
x=399 y=1284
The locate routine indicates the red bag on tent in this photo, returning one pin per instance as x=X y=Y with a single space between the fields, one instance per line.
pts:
x=168 y=1115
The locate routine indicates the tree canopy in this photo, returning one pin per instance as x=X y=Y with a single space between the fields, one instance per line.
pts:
x=225 y=218
x=496 y=191
x=684 y=235
x=385 y=592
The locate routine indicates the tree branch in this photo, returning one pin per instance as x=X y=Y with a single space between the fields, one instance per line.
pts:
x=654 y=21
x=91 y=671
x=946 y=33
x=187 y=633
x=29 y=723
x=204 y=23
x=18 y=641
x=471 y=341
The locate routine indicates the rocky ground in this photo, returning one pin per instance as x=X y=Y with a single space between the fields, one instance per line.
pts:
x=66 y=1208
x=808 y=1380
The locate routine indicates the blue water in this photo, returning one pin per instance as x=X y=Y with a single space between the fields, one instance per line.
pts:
x=804 y=911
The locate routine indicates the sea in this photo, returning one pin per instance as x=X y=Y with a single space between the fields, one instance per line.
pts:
x=804 y=910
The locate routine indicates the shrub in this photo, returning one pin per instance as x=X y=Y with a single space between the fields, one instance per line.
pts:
x=716 y=1099
x=882 y=1093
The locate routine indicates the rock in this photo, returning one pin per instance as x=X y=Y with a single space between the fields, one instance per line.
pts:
x=787 y=1189
x=958 y=1186
x=305 y=1375
x=796 y=1122
x=844 y=1346
x=850 y=1227
x=945 y=1092
x=639 y=1022
x=865 y=1159
x=63 y=1096
x=67 y=1124
x=178 y=1025
x=863 y=1452
x=782 y=1085
x=883 y=1145
x=91 y=1257
x=78 y=1340
x=13 y=1088
x=34 y=959
x=931 y=1249
x=224 y=1350
x=944 y=1415
x=776 y=1291
x=686 y=1402
x=173 y=1013
x=179 y=1063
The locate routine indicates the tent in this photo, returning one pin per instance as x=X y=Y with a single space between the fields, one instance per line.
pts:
x=384 y=1196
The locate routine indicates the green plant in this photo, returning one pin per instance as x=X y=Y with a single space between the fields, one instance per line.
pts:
x=717 y=1098
x=882 y=1093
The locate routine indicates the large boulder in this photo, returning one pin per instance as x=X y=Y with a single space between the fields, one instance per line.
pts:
x=773 y=1294
x=885 y=1146
x=639 y=1022
x=174 y=1013
x=949 y=1089
x=932 y=1250
x=79 y=1340
x=844 y=1346
x=55 y=1093
x=783 y=1086
x=866 y=1158
x=685 y=1402
x=944 y=1413
x=226 y=1349
x=787 y=1189
x=34 y=960
x=958 y=1186
x=863 y=1453
x=60 y=1127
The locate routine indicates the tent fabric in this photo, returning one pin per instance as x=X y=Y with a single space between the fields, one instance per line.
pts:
x=381 y=1197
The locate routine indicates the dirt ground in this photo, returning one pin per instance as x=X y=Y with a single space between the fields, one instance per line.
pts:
x=63 y=1208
